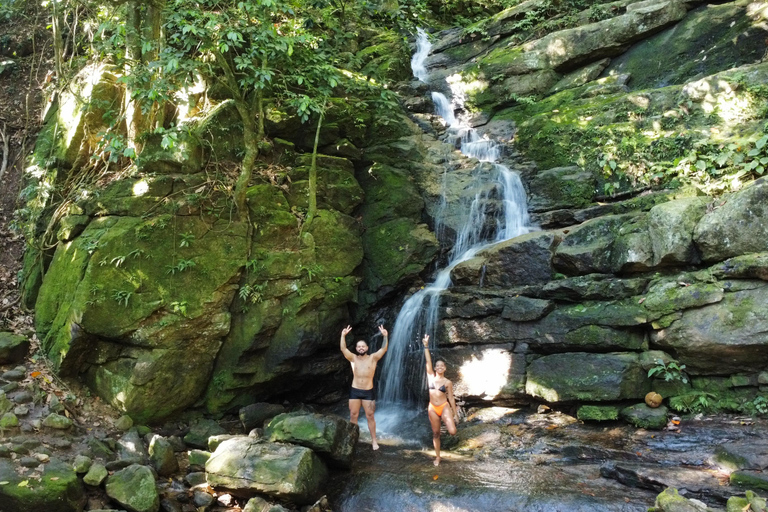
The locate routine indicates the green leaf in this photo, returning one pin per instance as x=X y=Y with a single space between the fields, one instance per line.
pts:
x=761 y=142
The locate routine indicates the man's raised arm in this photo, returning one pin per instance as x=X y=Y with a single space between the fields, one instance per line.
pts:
x=343 y=344
x=383 y=350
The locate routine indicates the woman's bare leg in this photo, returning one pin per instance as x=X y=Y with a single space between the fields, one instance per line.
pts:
x=434 y=421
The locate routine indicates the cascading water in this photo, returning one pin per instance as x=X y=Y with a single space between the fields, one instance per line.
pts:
x=419 y=314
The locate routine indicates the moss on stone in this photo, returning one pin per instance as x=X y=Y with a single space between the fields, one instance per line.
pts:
x=598 y=413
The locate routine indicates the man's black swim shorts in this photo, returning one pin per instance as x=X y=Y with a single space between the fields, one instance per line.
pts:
x=362 y=394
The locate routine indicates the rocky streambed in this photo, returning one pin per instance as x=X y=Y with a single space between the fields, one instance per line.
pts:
x=61 y=452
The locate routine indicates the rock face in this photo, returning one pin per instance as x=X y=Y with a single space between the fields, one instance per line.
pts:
x=247 y=466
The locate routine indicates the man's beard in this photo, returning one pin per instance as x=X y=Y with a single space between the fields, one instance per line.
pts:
x=363 y=353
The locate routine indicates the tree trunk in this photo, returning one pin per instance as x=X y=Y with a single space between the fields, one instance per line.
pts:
x=251 y=143
x=134 y=119
x=312 y=211
x=58 y=42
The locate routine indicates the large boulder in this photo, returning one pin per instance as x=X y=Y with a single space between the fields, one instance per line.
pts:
x=580 y=376
x=523 y=260
x=726 y=337
x=671 y=228
x=138 y=311
x=737 y=227
x=246 y=466
x=331 y=437
x=58 y=489
x=561 y=187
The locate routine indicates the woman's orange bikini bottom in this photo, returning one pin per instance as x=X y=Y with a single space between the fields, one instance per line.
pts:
x=437 y=408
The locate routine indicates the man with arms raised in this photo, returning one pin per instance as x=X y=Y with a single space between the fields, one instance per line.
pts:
x=363 y=369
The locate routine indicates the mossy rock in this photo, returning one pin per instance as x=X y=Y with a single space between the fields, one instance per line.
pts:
x=749 y=480
x=127 y=301
x=642 y=416
x=57 y=490
x=561 y=187
x=598 y=413
x=673 y=55
x=396 y=250
x=578 y=376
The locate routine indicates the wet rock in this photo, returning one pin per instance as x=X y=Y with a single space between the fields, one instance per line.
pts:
x=642 y=416
x=248 y=466
x=57 y=422
x=96 y=474
x=254 y=415
x=742 y=455
x=200 y=431
x=131 y=447
x=21 y=410
x=134 y=489
x=8 y=420
x=82 y=464
x=523 y=260
x=13 y=347
x=58 y=490
x=5 y=451
x=162 y=456
x=331 y=437
x=55 y=405
x=587 y=248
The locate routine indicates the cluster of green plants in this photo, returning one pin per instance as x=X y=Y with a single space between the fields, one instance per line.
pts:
x=704 y=402
x=670 y=371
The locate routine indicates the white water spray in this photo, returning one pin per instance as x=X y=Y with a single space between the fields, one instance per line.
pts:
x=420 y=313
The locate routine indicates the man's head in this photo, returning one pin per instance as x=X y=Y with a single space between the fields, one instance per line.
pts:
x=361 y=348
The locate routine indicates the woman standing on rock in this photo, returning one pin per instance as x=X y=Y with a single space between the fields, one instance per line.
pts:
x=441 y=402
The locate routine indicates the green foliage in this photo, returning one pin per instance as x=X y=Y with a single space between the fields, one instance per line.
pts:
x=670 y=372
x=179 y=307
x=122 y=297
x=694 y=402
x=252 y=292
x=186 y=239
x=756 y=406
x=180 y=266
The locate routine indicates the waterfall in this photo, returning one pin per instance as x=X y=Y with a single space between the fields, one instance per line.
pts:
x=422 y=51
x=420 y=313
